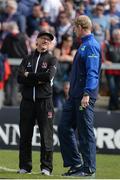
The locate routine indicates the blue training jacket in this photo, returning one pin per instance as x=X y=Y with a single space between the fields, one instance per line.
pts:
x=85 y=72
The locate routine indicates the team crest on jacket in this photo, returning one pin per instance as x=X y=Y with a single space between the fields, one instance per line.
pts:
x=44 y=65
x=50 y=114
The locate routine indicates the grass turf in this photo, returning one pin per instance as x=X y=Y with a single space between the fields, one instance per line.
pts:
x=108 y=167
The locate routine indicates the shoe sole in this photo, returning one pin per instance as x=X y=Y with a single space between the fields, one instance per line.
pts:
x=78 y=174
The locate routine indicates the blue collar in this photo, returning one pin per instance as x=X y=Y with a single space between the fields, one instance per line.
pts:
x=87 y=37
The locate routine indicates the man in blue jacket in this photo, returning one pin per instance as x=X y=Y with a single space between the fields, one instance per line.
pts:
x=78 y=111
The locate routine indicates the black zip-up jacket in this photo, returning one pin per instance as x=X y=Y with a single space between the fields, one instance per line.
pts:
x=42 y=80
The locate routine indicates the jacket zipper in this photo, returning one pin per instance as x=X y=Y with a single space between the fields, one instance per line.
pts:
x=36 y=66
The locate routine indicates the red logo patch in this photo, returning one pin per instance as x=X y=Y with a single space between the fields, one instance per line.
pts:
x=50 y=114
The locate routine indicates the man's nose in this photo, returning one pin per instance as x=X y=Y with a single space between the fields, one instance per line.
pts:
x=46 y=40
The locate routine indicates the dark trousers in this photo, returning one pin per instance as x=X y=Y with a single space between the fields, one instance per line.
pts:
x=11 y=88
x=30 y=112
x=114 y=86
x=81 y=121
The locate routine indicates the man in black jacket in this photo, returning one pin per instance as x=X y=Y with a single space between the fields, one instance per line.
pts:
x=36 y=74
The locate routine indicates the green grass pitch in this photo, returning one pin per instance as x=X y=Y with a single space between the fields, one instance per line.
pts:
x=108 y=167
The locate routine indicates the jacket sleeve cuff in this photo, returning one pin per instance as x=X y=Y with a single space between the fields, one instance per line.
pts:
x=85 y=94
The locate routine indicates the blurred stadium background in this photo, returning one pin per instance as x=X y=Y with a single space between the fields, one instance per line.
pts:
x=20 y=22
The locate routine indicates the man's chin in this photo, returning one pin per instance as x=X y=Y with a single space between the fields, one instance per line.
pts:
x=44 y=49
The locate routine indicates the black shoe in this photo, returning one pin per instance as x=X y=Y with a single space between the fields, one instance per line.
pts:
x=79 y=171
x=82 y=173
x=72 y=170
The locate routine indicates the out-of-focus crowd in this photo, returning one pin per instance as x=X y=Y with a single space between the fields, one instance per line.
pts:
x=20 y=23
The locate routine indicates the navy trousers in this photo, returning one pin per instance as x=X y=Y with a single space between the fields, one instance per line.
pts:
x=76 y=134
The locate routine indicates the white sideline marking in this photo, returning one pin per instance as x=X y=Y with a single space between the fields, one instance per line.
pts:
x=7 y=169
x=15 y=170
